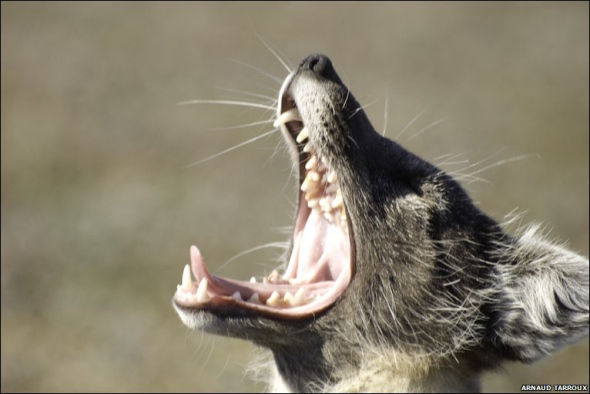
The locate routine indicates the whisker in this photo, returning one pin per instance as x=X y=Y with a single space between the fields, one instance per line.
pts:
x=229 y=102
x=426 y=128
x=231 y=149
x=252 y=94
x=410 y=124
x=261 y=71
x=251 y=250
x=385 y=115
x=362 y=108
x=243 y=125
x=270 y=48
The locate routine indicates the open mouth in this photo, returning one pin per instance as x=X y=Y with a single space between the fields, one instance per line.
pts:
x=320 y=266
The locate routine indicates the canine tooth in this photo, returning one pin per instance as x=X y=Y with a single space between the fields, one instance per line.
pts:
x=289 y=298
x=202 y=295
x=273 y=300
x=237 y=296
x=187 y=281
x=313 y=160
x=254 y=299
x=288 y=116
x=307 y=148
x=303 y=135
x=253 y=280
x=332 y=177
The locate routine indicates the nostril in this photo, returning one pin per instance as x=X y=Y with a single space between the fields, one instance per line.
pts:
x=319 y=64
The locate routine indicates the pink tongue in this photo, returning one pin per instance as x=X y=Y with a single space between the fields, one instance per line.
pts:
x=323 y=251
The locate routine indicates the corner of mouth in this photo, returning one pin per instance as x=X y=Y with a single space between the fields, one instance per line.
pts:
x=320 y=266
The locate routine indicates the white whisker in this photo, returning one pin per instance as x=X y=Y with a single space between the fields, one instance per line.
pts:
x=231 y=149
x=229 y=102
x=410 y=124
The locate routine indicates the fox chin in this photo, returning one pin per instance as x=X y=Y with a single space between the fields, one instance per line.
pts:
x=394 y=280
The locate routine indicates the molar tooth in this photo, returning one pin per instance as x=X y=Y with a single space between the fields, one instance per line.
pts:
x=237 y=296
x=187 y=281
x=253 y=280
x=287 y=116
x=202 y=295
x=254 y=299
x=273 y=300
x=303 y=135
x=311 y=163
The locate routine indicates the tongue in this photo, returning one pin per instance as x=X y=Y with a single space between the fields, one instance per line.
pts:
x=323 y=250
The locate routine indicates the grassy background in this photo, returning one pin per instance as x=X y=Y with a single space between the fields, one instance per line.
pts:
x=98 y=211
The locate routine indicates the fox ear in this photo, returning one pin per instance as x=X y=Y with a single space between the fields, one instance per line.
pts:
x=543 y=300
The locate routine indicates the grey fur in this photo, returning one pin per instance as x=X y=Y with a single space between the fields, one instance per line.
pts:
x=440 y=293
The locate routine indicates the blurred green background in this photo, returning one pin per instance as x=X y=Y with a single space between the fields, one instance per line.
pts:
x=99 y=211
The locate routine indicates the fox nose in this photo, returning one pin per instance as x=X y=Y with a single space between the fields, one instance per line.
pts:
x=320 y=65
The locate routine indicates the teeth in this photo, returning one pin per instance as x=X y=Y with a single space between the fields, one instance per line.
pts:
x=288 y=116
x=237 y=296
x=312 y=203
x=254 y=299
x=202 y=295
x=307 y=148
x=313 y=160
x=314 y=176
x=303 y=135
x=299 y=298
x=187 y=281
x=289 y=298
x=253 y=280
x=332 y=177
x=333 y=188
x=274 y=277
x=337 y=200
x=273 y=300
x=322 y=166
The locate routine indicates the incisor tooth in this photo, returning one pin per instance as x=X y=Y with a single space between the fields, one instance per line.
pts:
x=254 y=299
x=187 y=281
x=202 y=295
x=273 y=300
x=299 y=298
x=288 y=298
x=288 y=116
x=303 y=135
